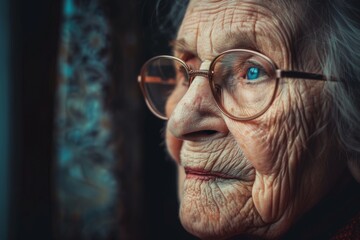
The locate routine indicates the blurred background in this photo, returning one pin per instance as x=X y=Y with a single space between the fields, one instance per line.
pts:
x=81 y=155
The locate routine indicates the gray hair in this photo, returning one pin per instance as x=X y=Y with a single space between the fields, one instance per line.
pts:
x=333 y=35
x=342 y=60
x=330 y=30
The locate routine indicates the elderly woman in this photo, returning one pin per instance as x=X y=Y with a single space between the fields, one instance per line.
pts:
x=262 y=102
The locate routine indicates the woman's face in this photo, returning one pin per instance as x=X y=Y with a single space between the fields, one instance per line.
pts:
x=255 y=177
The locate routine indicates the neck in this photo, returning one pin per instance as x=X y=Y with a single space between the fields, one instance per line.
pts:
x=330 y=214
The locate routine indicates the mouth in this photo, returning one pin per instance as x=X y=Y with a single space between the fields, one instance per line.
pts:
x=200 y=174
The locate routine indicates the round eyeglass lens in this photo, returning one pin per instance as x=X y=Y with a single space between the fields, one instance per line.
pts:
x=243 y=83
x=165 y=81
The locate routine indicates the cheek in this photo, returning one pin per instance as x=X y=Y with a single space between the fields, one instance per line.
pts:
x=253 y=140
x=175 y=97
x=173 y=145
x=181 y=180
x=276 y=145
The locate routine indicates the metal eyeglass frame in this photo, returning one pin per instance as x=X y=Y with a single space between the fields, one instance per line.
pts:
x=191 y=74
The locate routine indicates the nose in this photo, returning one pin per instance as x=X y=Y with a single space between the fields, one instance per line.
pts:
x=196 y=117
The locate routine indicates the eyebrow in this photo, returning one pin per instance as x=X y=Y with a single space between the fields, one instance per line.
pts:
x=243 y=41
x=180 y=45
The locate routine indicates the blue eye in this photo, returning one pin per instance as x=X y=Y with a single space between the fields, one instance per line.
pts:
x=252 y=73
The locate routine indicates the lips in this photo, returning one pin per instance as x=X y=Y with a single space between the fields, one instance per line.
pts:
x=199 y=174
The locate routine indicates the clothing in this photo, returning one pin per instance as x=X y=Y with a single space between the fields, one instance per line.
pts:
x=336 y=217
x=350 y=231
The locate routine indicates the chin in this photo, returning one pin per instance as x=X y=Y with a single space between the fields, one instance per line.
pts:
x=216 y=209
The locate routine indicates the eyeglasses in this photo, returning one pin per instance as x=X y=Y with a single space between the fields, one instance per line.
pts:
x=243 y=82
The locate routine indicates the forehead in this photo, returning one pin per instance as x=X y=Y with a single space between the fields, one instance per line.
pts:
x=211 y=27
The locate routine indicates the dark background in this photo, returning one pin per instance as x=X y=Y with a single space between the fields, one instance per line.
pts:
x=147 y=204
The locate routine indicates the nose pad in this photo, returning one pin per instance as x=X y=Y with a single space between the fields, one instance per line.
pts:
x=195 y=73
x=203 y=71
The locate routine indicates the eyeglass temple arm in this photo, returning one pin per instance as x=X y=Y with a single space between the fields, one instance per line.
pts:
x=303 y=75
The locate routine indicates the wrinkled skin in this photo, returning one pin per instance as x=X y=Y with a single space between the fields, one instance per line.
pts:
x=280 y=163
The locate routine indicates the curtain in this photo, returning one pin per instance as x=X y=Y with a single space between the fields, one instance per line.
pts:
x=86 y=185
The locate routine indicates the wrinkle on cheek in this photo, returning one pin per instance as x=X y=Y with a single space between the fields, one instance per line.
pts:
x=300 y=117
x=265 y=142
x=285 y=137
x=271 y=195
x=252 y=139
x=272 y=189
x=291 y=128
